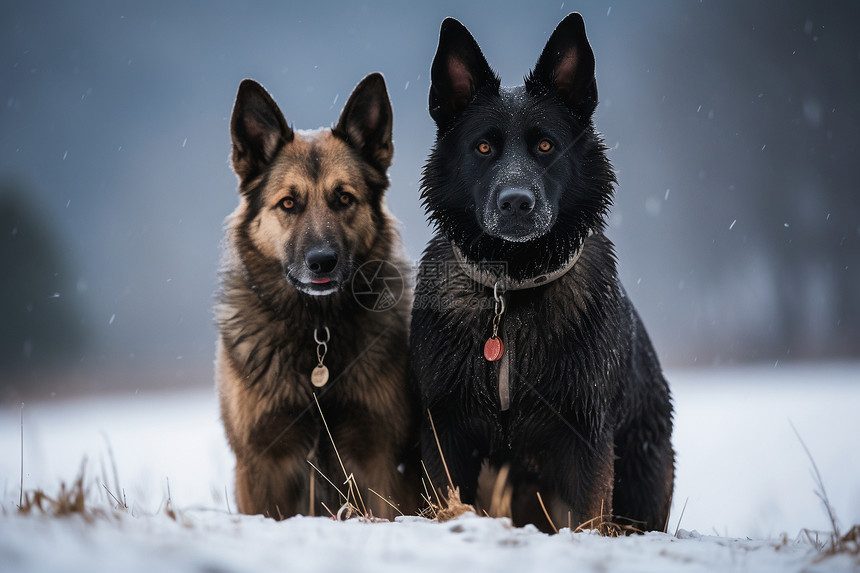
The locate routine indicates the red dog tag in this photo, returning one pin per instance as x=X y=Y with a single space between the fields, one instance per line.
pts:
x=493 y=349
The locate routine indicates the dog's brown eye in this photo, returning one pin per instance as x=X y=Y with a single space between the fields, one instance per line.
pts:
x=484 y=148
x=288 y=204
x=545 y=145
x=345 y=198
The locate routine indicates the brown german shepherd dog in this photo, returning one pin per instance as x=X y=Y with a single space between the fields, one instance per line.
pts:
x=308 y=305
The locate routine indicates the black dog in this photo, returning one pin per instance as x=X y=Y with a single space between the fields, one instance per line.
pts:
x=528 y=354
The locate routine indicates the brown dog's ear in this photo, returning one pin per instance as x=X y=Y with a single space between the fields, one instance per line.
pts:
x=367 y=120
x=459 y=71
x=258 y=130
x=566 y=67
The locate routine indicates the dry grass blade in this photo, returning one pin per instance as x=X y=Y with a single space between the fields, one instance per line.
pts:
x=116 y=483
x=331 y=514
x=312 y=494
x=351 y=495
x=441 y=454
x=432 y=509
x=394 y=507
x=838 y=543
x=21 y=490
x=449 y=506
x=168 y=506
x=683 y=509
x=546 y=513
x=606 y=527
x=174 y=513
x=331 y=483
x=119 y=504
x=819 y=483
x=350 y=478
x=432 y=488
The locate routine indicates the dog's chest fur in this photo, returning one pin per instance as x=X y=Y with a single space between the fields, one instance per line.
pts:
x=565 y=356
x=266 y=358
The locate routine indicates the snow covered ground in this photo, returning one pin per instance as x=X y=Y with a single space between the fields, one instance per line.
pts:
x=741 y=471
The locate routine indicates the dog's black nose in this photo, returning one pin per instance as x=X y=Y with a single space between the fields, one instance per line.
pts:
x=515 y=201
x=322 y=260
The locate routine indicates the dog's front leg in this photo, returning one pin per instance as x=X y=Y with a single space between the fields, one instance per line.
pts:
x=583 y=473
x=446 y=443
x=272 y=486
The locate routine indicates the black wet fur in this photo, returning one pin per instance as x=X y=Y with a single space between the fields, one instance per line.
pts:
x=590 y=418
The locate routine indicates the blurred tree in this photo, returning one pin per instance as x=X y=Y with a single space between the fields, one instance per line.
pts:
x=767 y=111
x=41 y=325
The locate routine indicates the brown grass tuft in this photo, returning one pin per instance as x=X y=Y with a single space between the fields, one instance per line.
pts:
x=605 y=527
x=70 y=500
x=446 y=507
x=453 y=508
x=848 y=543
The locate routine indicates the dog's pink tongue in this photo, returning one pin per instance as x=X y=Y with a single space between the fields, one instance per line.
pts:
x=321 y=281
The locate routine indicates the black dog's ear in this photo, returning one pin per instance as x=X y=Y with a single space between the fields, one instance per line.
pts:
x=459 y=71
x=258 y=130
x=567 y=67
x=367 y=120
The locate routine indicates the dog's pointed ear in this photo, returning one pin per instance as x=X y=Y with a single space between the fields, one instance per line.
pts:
x=258 y=129
x=566 y=66
x=366 y=121
x=459 y=71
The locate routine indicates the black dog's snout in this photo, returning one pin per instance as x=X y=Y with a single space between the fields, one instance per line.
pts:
x=321 y=260
x=514 y=201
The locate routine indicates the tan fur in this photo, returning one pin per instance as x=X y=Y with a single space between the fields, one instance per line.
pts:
x=289 y=176
x=266 y=349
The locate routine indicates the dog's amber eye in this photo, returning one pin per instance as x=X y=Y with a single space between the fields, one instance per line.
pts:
x=484 y=148
x=288 y=204
x=346 y=198
x=545 y=145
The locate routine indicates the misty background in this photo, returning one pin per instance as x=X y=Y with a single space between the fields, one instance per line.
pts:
x=733 y=127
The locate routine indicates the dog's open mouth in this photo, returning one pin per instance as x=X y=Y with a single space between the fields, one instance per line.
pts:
x=316 y=286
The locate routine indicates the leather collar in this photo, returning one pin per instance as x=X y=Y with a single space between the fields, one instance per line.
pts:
x=483 y=275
